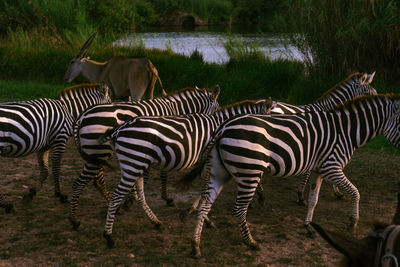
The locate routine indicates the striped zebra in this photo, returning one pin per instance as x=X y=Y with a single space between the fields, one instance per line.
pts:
x=169 y=143
x=44 y=125
x=357 y=84
x=247 y=147
x=95 y=121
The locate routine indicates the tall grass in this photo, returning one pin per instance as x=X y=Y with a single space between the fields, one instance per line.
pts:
x=338 y=37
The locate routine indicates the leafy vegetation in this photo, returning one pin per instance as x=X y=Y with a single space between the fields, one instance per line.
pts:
x=341 y=36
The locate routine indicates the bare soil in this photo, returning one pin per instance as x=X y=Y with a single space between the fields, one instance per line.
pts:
x=40 y=234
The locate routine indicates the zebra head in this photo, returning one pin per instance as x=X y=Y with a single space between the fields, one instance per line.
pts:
x=212 y=96
x=363 y=84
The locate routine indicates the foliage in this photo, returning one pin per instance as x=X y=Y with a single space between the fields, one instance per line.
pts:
x=338 y=37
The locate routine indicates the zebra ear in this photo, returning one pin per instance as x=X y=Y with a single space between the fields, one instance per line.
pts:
x=371 y=77
x=216 y=90
x=269 y=105
x=104 y=89
x=363 y=79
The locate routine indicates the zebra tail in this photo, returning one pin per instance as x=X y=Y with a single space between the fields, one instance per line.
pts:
x=96 y=161
x=107 y=136
x=187 y=180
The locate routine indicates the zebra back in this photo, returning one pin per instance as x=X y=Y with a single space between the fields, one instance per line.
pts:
x=355 y=85
x=80 y=97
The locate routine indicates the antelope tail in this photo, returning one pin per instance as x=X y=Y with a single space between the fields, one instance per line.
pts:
x=151 y=69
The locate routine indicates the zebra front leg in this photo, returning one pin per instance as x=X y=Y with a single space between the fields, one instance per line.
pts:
x=100 y=184
x=56 y=156
x=142 y=201
x=43 y=161
x=260 y=194
x=164 y=190
x=301 y=188
x=340 y=180
x=315 y=187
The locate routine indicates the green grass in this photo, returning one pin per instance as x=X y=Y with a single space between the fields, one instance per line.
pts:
x=26 y=90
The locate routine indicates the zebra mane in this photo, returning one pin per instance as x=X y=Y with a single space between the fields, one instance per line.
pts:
x=184 y=90
x=241 y=103
x=383 y=97
x=78 y=87
x=338 y=85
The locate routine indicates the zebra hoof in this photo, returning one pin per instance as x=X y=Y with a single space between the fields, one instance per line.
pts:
x=195 y=254
x=301 y=202
x=158 y=225
x=127 y=204
x=254 y=246
x=110 y=241
x=210 y=224
x=9 y=208
x=183 y=215
x=310 y=232
x=339 y=196
x=170 y=202
x=63 y=198
x=75 y=224
x=261 y=200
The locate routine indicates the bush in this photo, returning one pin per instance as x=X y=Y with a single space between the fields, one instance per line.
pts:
x=338 y=37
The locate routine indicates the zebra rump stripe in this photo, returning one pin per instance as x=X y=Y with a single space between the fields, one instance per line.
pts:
x=164 y=143
x=95 y=121
x=247 y=147
x=45 y=124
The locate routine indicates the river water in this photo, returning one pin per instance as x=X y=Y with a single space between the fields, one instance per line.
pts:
x=210 y=43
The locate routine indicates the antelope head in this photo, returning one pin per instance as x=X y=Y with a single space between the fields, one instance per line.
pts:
x=75 y=65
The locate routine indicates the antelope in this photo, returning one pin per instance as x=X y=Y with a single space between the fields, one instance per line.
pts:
x=124 y=76
x=380 y=248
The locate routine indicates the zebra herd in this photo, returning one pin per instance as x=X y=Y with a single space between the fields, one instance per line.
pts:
x=244 y=141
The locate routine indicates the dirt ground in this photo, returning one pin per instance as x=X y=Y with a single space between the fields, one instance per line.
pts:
x=40 y=234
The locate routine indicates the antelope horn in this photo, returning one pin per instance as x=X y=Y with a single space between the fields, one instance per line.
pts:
x=396 y=217
x=86 y=45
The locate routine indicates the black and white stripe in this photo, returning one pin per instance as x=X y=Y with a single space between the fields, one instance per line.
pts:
x=44 y=125
x=170 y=143
x=357 y=84
x=247 y=147
x=94 y=122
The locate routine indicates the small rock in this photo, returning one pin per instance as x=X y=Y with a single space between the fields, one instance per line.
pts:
x=131 y=255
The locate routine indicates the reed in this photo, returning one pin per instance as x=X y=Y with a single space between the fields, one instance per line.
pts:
x=338 y=37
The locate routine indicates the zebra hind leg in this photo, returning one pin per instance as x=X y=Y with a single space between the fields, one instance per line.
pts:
x=242 y=203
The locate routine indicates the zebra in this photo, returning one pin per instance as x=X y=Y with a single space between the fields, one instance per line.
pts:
x=356 y=84
x=169 y=143
x=247 y=147
x=95 y=121
x=44 y=125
